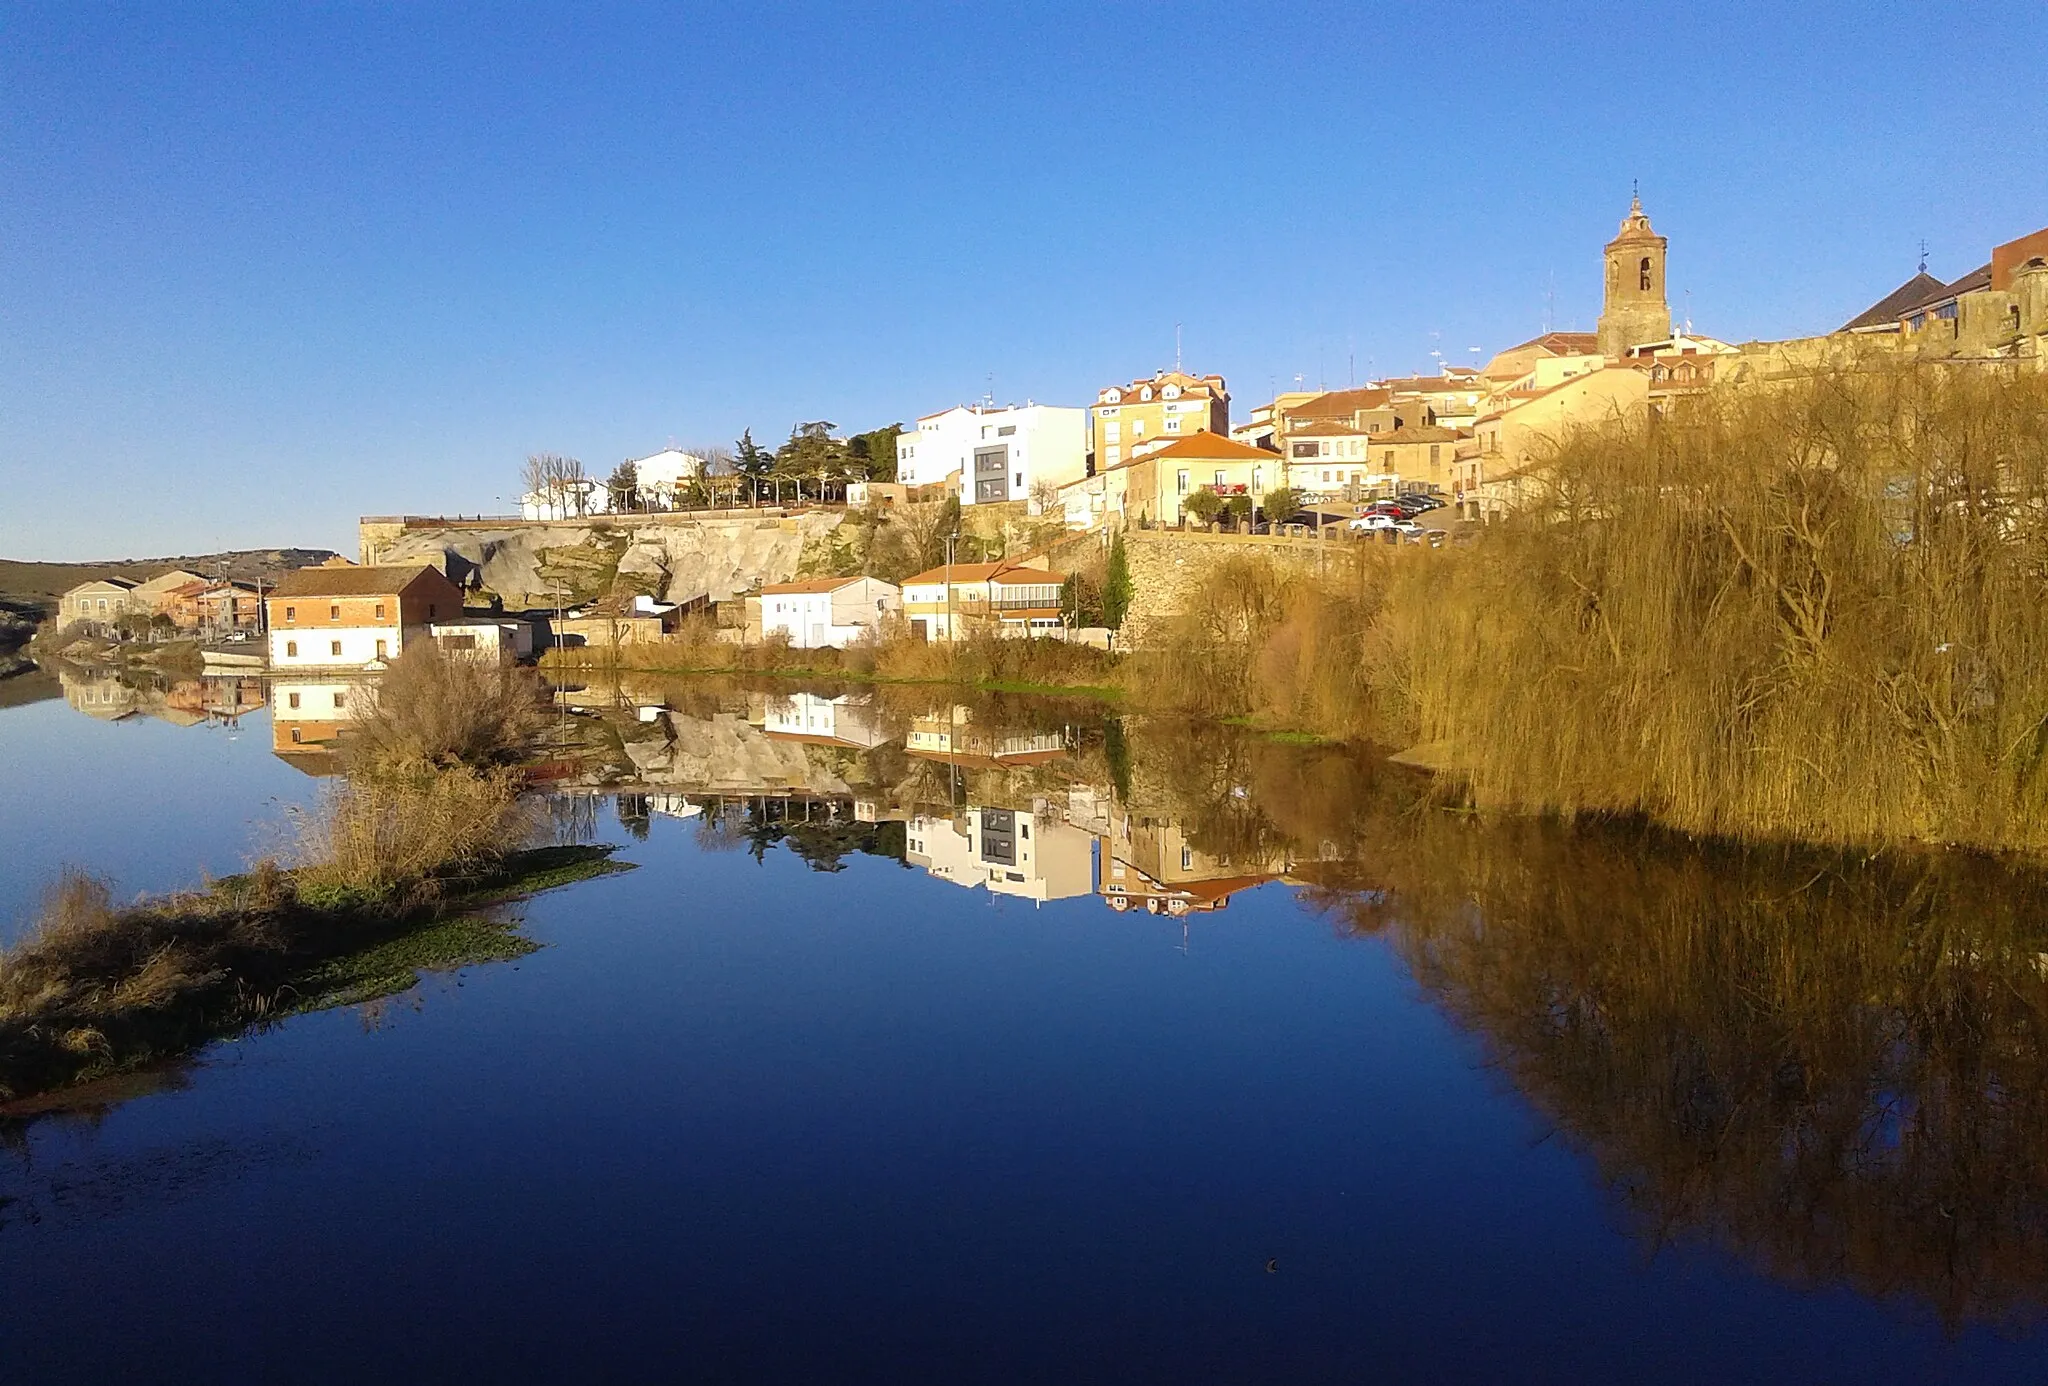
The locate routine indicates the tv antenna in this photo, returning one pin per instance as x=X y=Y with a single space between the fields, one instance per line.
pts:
x=1923 y=255
x=1176 y=349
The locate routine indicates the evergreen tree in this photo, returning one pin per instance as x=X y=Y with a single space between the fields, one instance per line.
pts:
x=751 y=460
x=1117 y=588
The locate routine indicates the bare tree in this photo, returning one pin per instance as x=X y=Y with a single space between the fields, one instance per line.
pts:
x=552 y=477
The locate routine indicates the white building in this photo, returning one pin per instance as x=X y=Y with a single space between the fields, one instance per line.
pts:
x=847 y=721
x=992 y=453
x=819 y=612
x=1033 y=854
x=567 y=500
x=663 y=477
x=485 y=639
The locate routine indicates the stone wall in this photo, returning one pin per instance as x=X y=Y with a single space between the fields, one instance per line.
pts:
x=1168 y=567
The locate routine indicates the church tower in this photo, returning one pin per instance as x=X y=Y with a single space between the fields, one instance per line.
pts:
x=1635 y=310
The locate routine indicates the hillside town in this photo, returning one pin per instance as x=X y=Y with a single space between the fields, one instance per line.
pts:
x=994 y=505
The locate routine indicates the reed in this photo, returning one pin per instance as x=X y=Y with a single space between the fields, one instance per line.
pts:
x=1812 y=612
x=434 y=710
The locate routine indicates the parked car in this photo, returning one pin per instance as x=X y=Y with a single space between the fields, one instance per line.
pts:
x=1425 y=502
x=1369 y=523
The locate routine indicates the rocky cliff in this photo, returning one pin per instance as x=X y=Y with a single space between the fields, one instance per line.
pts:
x=531 y=566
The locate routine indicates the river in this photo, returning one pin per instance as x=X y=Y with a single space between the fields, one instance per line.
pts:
x=975 y=1038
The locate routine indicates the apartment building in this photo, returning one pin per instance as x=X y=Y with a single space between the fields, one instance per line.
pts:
x=1155 y=484
x=1169 y=405
x=960 y=600
x=340 y=615
x=1519 y=426
x=990 y=454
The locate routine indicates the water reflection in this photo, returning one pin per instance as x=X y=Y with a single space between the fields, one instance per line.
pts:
x=1836 y=1070
x=114 y=696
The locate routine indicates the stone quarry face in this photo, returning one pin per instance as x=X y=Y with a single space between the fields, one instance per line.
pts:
x=528 y=566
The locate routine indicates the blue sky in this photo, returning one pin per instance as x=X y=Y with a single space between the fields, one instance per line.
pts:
x=264 y=268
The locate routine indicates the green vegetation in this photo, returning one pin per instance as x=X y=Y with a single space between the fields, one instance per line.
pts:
x=432 y=710
x=430 y=827
x=1811 y=611
x=1117 y=587
x=94 y=990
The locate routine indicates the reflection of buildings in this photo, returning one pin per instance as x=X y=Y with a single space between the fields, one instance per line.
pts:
x=953 y=736
x=843 y=721
x=309 y=714
x=186 y=703
x=1034 y=853
x=1151 y=865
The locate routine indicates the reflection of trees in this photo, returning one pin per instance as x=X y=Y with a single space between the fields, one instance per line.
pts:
x=1837 y=1070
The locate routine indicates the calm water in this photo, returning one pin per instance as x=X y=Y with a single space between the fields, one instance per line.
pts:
x=1000 y=1043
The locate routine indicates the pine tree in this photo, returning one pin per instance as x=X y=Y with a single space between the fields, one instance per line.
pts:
x=1117 y=588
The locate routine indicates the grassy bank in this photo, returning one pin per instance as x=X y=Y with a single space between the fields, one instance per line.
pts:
x=383 y=877
x=1813 y=612
x=96 y=990
x=987 y=663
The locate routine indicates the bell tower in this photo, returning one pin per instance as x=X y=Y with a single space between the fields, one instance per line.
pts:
x=1635 y=311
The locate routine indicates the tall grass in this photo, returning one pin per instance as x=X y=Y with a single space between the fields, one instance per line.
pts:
x=1813 y=611
x=433 y=710
x=401 y=840
x=895 y=654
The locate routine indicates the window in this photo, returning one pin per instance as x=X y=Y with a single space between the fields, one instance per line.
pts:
x=1112 y=432
x=1137 y=428
x=334 y=648
x=380 y=611
x=1258 y=479
x=297 y=735
x=1187 y=859
x=291 y=651
x=1219 y=480
x=341 y=698
x=103 y=603
x=1006 y=430
x=291 y=613
x=293 y=699
x=334 y=612
x=1173 y=425
x=381 y=649
x=1643 y=274
x=1183 y=478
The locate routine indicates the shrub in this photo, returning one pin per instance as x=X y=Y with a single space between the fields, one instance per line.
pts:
x=436 y=709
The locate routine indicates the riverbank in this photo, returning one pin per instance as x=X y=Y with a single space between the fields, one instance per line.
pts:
x=98 y=991
x=1809 y=613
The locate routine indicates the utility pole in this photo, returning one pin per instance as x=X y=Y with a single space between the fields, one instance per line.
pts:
x=951 y=540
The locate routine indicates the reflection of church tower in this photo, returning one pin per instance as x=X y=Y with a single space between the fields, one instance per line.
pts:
x=1636 y=311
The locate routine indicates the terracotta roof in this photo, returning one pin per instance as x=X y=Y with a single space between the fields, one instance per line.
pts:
x=1005 y=572
x=1419 y=434
x=1207 y=446
x=1561 y=343
x=350 y=582
x=1342 y=403
x=804 y=585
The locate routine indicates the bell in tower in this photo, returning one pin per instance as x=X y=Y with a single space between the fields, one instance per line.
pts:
x=1635 y=311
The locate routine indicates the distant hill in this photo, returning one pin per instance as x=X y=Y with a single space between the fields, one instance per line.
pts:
x=31 y=590
x=38 y=585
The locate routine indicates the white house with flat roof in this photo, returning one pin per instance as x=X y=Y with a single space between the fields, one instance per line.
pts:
x=994 y=453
